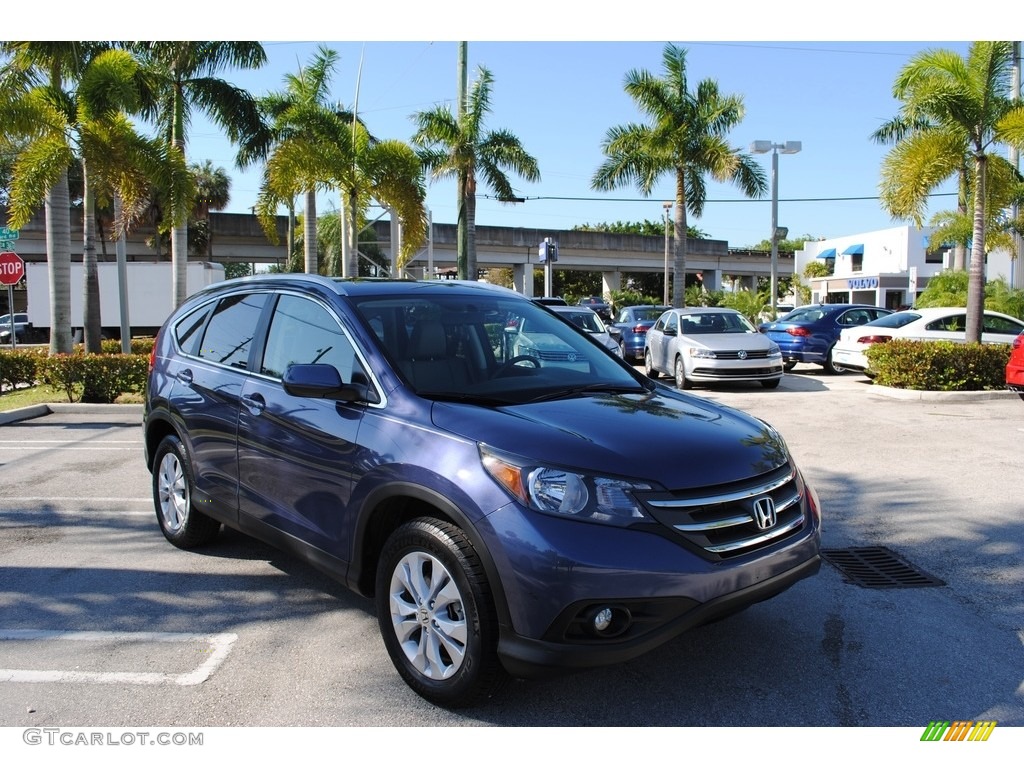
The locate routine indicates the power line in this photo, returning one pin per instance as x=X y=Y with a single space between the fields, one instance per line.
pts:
x=528 y=198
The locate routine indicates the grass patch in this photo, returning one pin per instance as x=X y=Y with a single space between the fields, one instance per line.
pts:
x=22 y=398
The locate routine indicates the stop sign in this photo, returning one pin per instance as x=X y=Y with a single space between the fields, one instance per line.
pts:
x=12 y=268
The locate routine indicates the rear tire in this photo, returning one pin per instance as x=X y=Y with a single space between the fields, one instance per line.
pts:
x=830 y=366
x=437 y=615
x=181 y=524
x=789 y=365
x=649 y=369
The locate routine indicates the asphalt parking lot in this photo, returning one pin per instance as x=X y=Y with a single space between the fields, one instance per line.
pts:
x=104 y=623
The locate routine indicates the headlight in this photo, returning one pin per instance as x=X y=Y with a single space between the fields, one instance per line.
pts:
x=700 y=352
x=774 y=351
x=564 y=493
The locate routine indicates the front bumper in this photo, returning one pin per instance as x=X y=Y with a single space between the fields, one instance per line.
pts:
x=529 y=658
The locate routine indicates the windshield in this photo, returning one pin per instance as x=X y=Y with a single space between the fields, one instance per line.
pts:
x=714 y=322
x=490 y=349
x=587 y=320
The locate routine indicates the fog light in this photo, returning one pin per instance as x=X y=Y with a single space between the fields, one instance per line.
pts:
x=606 y=621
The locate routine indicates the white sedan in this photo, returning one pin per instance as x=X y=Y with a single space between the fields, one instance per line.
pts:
x=710 y=345
x=925 y=324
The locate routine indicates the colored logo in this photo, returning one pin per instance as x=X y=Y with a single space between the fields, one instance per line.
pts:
x=958 y=730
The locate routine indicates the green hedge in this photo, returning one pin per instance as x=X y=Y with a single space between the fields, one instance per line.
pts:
x=943 y=366
x=18 y=367
x=100 y=378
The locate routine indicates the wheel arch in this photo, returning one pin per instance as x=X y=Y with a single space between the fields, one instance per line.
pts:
x=390 y=506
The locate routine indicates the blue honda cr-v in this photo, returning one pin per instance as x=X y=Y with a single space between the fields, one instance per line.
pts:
x=511 y=514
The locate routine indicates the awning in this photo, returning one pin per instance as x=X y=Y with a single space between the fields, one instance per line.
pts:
x=855 y=250
x=828 y=253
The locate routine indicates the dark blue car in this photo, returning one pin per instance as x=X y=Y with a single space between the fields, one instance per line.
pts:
x=808 y=333
x=633 y=324
x=511 y=513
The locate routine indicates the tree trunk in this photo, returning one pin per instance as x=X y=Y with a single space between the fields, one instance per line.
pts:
x=679 y=256
x=58 y=257
x=462 y=229
x=352 y=234
x=976 y=274
x=309 y=233
x=91 y=281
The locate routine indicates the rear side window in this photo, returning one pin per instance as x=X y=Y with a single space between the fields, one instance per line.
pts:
x=996 y=324
x=187 y=331
x=303 y=331
x=229 y=336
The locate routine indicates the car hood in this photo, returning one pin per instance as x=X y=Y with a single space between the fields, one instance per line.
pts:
x=676 y=440
x=725 y=342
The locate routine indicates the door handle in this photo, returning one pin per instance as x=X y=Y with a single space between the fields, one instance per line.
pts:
x=255 y=403
x=184 y=376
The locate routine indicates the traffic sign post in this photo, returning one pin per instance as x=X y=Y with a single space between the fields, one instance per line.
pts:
x=12 y=269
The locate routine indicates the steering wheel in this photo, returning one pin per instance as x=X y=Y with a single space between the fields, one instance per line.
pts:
x=512 y=362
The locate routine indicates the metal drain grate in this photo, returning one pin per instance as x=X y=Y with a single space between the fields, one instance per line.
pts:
x=878 y=568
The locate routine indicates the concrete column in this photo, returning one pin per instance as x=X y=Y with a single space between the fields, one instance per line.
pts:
x=610 y=281
x=712 y=279
x=522 y=279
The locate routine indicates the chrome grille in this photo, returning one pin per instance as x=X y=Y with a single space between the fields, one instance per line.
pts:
x=735 y=355
x=721 y=522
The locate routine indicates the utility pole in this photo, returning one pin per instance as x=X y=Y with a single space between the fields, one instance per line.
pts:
x=1016 y=273
x=462 y=229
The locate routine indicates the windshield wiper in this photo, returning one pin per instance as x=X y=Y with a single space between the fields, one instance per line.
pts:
x=589 y=389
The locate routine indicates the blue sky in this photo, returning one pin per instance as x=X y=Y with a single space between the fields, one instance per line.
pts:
x=558 y=72
x=560 y=98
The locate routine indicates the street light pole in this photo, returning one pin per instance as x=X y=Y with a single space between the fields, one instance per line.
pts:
x=668 y=208
x=787 y=148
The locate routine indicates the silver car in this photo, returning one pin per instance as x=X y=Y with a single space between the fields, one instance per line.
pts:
x=711 y=345
x=588 y=320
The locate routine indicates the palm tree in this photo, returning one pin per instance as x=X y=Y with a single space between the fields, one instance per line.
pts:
x=965 y=101
x=32 y=81
x=686 y=137
x=319 y=145
x=213 y=193
x=183 y=80
x=87 y=125
x=459 y=147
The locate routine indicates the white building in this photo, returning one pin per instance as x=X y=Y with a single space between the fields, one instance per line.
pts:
x=886 y=268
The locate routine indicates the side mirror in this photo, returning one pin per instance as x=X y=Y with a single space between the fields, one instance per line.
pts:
x=323 y=381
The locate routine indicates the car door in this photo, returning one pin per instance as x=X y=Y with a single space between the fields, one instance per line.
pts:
x=297 y=455
x=661 y=347
x=215 y=342
x=999 y=330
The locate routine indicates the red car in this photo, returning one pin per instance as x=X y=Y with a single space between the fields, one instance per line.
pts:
x=1015 y=368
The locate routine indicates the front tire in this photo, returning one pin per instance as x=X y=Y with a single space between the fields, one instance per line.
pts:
x=437 y=615
x=680 y=373
x=181 y=524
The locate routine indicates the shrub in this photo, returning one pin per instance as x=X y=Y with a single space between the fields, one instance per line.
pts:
x=102 y=377
x=141 y=345
x=19 y=367
x=943 y=366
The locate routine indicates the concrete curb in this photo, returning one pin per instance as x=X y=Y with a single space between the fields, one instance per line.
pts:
x=946 y=397
x=45 y=409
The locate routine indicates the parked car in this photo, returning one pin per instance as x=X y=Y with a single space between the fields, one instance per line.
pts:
x=708 y=345
x=22 y=328
x=508 y=518
x=633 y=324
x=551 y=301
x=599 y=305
x=1015 y=368
x=925 y=324
x=809 y=333
x=588 y=320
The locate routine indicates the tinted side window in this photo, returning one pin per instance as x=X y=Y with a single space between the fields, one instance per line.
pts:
x=994 y=324
x=948 y=323
x=228 y=337
x=303 y=331
x=186 y=332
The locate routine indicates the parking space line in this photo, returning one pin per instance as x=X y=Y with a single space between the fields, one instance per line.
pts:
x=219 y=645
